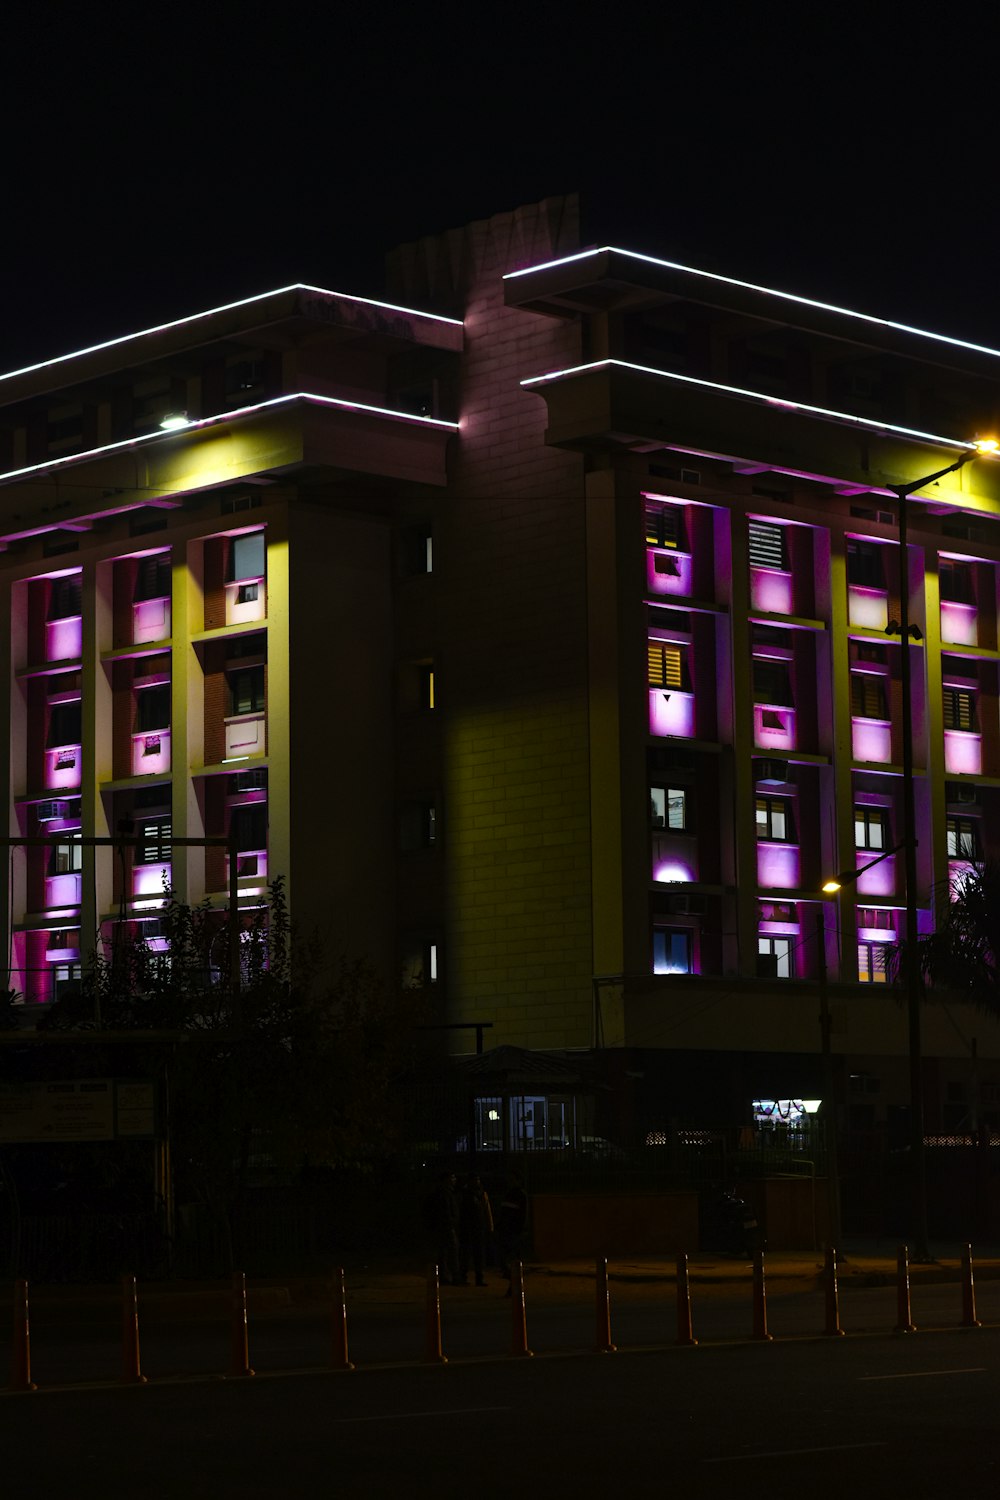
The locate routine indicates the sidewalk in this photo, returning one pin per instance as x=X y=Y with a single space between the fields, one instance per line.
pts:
x=392 y=1283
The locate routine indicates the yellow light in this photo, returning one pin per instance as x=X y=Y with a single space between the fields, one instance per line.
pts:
x=831 y=886
x=987 y=445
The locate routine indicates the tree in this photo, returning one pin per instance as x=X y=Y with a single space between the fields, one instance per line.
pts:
x=962 y=957
x=297 y=1060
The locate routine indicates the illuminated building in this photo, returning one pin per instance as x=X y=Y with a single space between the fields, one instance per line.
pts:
x=538 y=640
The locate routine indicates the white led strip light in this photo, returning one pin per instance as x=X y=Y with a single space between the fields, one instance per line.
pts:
x=737 y=390
x=296 y=286
x=752 y=286
x=228 y=416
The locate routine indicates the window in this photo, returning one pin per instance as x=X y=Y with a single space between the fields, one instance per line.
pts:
x=66 y=598
x=65 y=724
x=416 y=551
x=246 y=690
x=244 y=374
x=66 y=980
x=152 y=580
x=665 y=527
x=962 y=837
x=426 y=685
x=772 y=683
x=868 y=700
x=246 y=558
x=668 y=807
x=247 y=593
x=873 y=963
x=955 y=579
x=864 y=565
x=418 y=825
x=775 y=819
x=248 y=824
x=67 y=859
x=152 y=708
x=667 y=666
x=871 y=828
x=671 y=950
x=768 y=547
x=959 y=708
x=154 y=847
x=774 y=958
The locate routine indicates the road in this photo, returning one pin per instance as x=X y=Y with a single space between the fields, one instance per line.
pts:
x=871 y=1416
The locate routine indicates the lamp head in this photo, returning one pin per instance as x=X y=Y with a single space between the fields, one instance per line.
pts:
x=831 y=887
x=987 y=445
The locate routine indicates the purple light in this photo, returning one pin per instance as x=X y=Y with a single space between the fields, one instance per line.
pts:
x=959 y=623
x=963 y=752
x=64 y=639
x=669 y=572
x=150 y=621
x=673 y=871
x=880 y=880
x=778 y=866
x=62 y=890
x=151 y=753
x=871 y=740
x=771 y=591
x=150 y=880
x=62 y=768
x=778 y=732
x=671 y=713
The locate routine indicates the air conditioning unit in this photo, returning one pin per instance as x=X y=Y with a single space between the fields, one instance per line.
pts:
x=49 y=812
x=687 y=906
x=771 y=772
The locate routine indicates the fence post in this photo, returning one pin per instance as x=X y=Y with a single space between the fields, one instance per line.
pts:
x=432 y=1326
x=904 y=1322
x=131 y=1372
x=684 y=1331
x=341 y=1359
x=241 y=1349
x=832 y=1295
x=759 y=1299
x=519 y=1326
x=969 y=1319
x=603 y=1342
x=20 y=1373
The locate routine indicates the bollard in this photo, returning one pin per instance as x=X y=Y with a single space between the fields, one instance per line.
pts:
x=759 y=1299
x=832 y=1295
x=904 y=1322
x=684 y=1333
x=603 y=1344
x=131 y=1373
x=20 y=1374
x=241 y=1351
x=969 y=1319
x=340 y=1358
x=432 y=1352
x=519 y=1327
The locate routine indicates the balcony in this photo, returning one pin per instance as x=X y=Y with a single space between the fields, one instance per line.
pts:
x=62 y=767
x=773 y=727
x=959 y=623
x=64 y=639
x=963 y=752
x=670 y=713
x=778 y=866
x=868 y=608
x=772 y=591
x=151 y=753
x=150 y=621
x=669 y=572
x=871 y=740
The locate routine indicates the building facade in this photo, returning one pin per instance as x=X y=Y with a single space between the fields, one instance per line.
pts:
x=541 y=640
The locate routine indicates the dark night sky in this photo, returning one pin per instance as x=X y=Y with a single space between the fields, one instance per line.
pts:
x=160 y=160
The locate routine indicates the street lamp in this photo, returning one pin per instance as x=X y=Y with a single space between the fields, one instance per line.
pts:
x=911 y=966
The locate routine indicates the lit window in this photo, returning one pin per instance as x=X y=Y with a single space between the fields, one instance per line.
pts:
x=768 y=548
x=868 y=699
x=667 y=666
x=247 y=593
x=871 y=827
x=665 y=526
x=774 y=958
x=959 y=708
x=873 y=963
x=154 y=846
x=246 y=690
x=67 y=859
x=427 y=699
x=775 y=820
x=963 y=838
x=671 y=950
x=668 y=807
